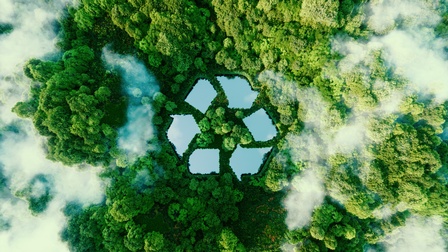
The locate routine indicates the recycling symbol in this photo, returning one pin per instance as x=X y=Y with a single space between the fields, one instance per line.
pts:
x=224 y=127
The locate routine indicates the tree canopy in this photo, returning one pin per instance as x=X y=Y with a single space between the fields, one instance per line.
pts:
x=287 y=50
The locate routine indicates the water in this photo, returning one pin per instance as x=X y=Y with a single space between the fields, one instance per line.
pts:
x=246 y=160
x=238 y=92
x=204 y=161
x=181 y=132
x=239 y=95
x=260 y=125
x=202 y=95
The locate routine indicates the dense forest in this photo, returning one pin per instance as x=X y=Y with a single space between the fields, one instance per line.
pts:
x=361 y=146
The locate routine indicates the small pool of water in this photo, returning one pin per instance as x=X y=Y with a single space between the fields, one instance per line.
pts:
x=260 y=125
x=202 y=95
x=204 y=161
x=181 y=132
x=238 y=91
x=244 y=160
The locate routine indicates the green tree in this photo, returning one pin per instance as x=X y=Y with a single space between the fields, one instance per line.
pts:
x=154 y=241
x=319 y=13
x=229 y=242
x=228 y=143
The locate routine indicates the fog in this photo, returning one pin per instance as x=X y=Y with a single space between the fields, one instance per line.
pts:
x=22 y=151
x=306 y=193
x=403 y=31
x=418 y=234
x=138 y=83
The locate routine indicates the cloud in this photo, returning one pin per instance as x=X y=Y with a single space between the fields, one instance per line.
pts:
x=33 y=36
x=307 y=192
x=22 y=157
x=386 y=15
x=417 y=62
x=414 y=57
x=22 y=151
x=404 y=33
x=422 y=63
x=418 y=234
x=138 y=83
x=308 y=147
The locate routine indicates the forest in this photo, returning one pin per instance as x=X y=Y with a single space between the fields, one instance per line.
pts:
x=361 y=148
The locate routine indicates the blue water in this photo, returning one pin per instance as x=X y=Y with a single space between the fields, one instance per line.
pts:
x=204 y=161
x=238 y=92
x=202 y=95
x=260 y=125
x=182 y=131
x=246 y=160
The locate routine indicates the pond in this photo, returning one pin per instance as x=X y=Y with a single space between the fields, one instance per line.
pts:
x=204 y=161
x=246 y=160
x=239 y=95
x=238 y=91
x=260 y=125
x=202 y=95
x=181 y=132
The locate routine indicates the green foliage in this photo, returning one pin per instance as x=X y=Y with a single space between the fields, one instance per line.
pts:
x=412 y=184
x=319 y=13
x=38 y=193
x=6 y=28
x=24 y=109
x=229 y=242
x=334 y=229
x=71 y=106
x=78 y=106
x=154 y=241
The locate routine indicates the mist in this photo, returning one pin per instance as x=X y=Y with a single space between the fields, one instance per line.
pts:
x=403 y=31
x=23 y=158
x=138 y=83
x=418 y=234
x=22 y=151
x=306 y=193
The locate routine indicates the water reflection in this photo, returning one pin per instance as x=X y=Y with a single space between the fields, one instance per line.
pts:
x=260 y=125
x=238 y=92
x=246 y=160
x=204 y=161
x=202 y=95
x=182 y=131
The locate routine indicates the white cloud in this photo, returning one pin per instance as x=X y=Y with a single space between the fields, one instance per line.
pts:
x=418 y=234
x=422 y=63
x=405 y=35
x=138 y=83
x=22 y=155
x=385 y=15
x=307 y=193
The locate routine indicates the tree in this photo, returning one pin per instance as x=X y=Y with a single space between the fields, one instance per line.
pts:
x=319 y=13
x=204 y=124
x=134 y=238
x=154 y=241
x=205 y=139
x=170 y=106
x=102 y=94
x=229 y=242
x=228 y=143
x=24 y=109
x=78 y=58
